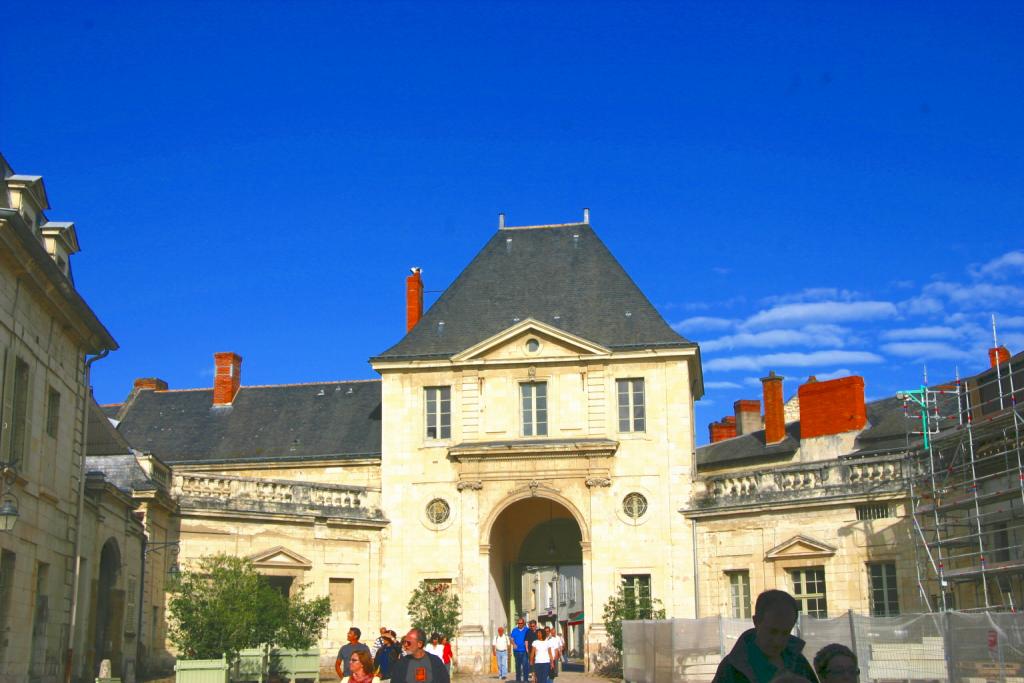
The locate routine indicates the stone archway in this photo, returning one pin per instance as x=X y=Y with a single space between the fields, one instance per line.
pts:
x=536 y=549
x=109 y=617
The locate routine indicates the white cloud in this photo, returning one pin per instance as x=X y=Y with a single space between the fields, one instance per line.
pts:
x=792 y=360
x=835 y=374
x=810 y=335
x=926 y=350
x=922 y=305
x=926 y=332
x=1010 y=322
x=981 y=295
x=821 y=312
x=721 y=385
x=1001 y=266
x=812 y=294
x=1014 y=341
x=703 y=322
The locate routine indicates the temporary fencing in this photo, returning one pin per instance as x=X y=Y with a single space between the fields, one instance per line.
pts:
x=951 y=647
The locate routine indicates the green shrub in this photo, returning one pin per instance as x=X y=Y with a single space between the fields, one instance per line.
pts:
x=625 y=607
x=434 y=607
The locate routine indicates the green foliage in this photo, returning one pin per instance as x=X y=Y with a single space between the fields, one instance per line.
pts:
x=225 y=606
x=625 y=606
x=434 y=607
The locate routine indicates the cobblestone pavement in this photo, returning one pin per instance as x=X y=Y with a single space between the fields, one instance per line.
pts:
x=564 y=677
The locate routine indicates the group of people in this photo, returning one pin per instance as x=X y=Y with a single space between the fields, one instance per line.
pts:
x=536 y=650
x=768 y=653
x=416 y=659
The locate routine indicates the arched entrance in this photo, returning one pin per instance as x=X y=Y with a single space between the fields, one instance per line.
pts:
x=537 y=568
x=109 y=619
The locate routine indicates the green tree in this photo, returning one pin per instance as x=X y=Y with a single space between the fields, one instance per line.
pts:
x=225 y=605
x=434 y=607
x=625 y=606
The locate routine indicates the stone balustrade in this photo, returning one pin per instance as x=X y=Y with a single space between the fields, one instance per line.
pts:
x=249 y=494
x=882 y=474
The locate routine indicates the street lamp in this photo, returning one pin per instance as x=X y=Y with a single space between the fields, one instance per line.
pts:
x=172 y=547
x=9 y=502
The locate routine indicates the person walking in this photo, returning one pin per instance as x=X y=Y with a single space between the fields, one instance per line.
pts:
x=342 y=665
x=386 y=657
x=540 y=657
x=768 y=649
x=519 y=651
x=362 y=669
x=531 y=635
x=447 y=655
x=379 y=643
x=555 y=645
x=836 y=663
x=499 y=648
x=418 y=665
x=435 y=647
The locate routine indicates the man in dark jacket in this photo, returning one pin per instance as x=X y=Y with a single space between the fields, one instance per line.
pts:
x=418 y=665
x=767 y=649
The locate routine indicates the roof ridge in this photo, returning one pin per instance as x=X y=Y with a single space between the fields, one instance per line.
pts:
x=543 y=225
x=260 y=386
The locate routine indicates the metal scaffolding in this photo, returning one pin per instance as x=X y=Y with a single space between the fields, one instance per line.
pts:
x=966 y=488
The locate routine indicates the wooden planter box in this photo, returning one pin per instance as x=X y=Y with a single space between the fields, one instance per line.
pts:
x=201 y=670
x=295 y=665
x=251 y=665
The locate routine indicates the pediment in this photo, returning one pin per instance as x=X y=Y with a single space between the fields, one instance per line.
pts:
x=280 y=557
x=511 y=344
x=800 y=547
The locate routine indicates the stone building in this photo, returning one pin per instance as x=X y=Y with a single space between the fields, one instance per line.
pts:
x=817 y=506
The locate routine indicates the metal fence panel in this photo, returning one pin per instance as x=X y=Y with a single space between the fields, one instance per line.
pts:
x=949 y=647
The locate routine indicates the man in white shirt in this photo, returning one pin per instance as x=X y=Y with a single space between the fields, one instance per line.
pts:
x=500 y=648
x=556 y=644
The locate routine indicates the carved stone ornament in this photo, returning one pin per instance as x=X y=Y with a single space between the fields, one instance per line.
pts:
x=531 y=372
x=598 y=481
x=534 y=485
x=471 y=485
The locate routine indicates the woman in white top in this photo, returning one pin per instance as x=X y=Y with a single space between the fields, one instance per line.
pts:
x=435 y=647
x=540 y=657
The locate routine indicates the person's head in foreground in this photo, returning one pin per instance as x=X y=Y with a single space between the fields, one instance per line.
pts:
x=360 y=664
x=774 y=618
x=413 y=642
x=836 y=663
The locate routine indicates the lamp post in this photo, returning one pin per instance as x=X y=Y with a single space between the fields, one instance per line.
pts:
x=9 y=502
x=172 y=548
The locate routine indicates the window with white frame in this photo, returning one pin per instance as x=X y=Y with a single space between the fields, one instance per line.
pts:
x=534 y=402
x=739 y=594
x=438 y=412
x=809 y=591
x=885 y=600
x=632 y=413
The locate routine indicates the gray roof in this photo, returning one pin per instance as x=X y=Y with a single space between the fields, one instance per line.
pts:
x=103 y=438
x=563 y=276
x=123 y=471
x=748 y=446
x=329 y=420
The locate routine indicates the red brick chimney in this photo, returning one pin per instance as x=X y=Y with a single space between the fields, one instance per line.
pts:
x=227 y=377
x=723 y=429
x=747 y=415
x=832 y=407
x=413 y=299
x=998 y=355
x=154 y=383
x=774 y=409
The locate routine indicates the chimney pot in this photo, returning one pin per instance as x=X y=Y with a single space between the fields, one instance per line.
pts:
x=586 y=216
x=227 y=377
x=154 y=383
x=774 y=408
x=501 y=221
x=998 y=355
x=720 y=431
x=413 y=299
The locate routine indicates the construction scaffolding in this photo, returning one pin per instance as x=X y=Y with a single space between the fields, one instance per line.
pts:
x=966 y=488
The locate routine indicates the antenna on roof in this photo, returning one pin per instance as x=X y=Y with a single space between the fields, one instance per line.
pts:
x=586 y=216
x=501 y=221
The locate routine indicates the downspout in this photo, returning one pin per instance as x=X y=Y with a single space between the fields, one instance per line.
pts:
x=696 y=572
x=87 y=387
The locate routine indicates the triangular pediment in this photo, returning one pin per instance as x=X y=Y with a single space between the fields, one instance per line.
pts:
x=280 y=556
x=800 y=547
x=511 y=344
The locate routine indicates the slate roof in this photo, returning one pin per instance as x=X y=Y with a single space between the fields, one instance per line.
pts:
x=560 y=275
x=123 y=471
x=323 y=420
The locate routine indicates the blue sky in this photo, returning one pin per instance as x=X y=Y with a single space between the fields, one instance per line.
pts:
x=815 y=188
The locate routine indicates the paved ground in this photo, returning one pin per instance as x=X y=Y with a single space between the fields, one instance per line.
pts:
x=564 y=677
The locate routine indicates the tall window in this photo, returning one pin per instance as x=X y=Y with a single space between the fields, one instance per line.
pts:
x=53 y=412
x=809 y=591
x=7 y=559
x=631 y=405
x=885 y=600
x=439 y=412
x=739 y=594
x=534 y=401
x=19 y=417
